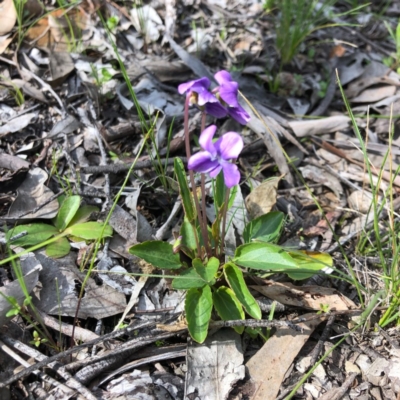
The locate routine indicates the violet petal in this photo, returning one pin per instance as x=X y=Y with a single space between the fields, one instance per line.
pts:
x=202 y=162
x=197 y=85
x=206 y=97
x=231 y=174
x=229 y=93
x=213 y=173
x=217 y=110
x=239 y=114
x=229 y=145
x=223 y=77
x=206 y=138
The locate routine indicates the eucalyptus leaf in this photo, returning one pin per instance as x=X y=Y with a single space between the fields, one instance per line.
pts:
x=186 y=195
x=228 y=306
x=188 y=279
x=207 y=273
x=36 y=233
x=265 y=228
x=89 y=230
x=264 y=256
x=59 y=248
x=234 y=277
x=198 y=307
x=67 y=211
x=158 y=253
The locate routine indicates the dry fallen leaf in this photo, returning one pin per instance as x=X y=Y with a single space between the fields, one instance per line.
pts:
x=261 y=200
x=360 y=201
x=322 y=226
x=375 y=94
x=17 y=124
x=214 y=366
x=59 y=30
x=310 y=297
x=4 y=42
x=318 y=126
x=178 y=326
x=268 y=367
x=8 y=16
x=61 y=287
x=32 y=193
x=319 y=175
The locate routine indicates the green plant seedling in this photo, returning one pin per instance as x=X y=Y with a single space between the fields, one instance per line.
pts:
x=37 y=340
x=324 y=308
x=393 y=61
x=17 y=92
x=112 y=22
x=15 y=307
x=71 y=220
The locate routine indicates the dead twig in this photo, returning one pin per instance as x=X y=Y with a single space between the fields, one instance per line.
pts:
x=70 y=385
x=74 y=350
x=117 y=168
x=320 y=344
x=338 y=393
x=97 y=364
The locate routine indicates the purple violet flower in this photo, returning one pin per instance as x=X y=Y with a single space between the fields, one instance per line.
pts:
x=217 y=156
x=201 y=96
x=228 y=92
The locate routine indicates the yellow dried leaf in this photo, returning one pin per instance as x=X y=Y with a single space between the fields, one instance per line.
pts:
x=261 y=200
x=8 y=16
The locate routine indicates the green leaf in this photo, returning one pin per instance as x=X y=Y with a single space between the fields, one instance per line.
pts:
x=12 y=312
x=232 y=196
x=228 y=306
x=158 y=253
x=89 y=230
x=265 y=228
x=234 y=277
x=67 y=211
x=198 y=307
x=61 y=199
x=187 y=198
x=220 y=190
x=188 y=279
x=208 y=272
x=398 y=39
x=188 y=234
x=36 y=233
x=59 y=248
x=83 y=214
x=309 y=263
x=252 y=332
x=264 y=256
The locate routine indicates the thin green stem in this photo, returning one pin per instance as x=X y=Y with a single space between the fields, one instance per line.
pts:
x=192 y=182
x=33 y=248
x=224 y=212
x=203 y=190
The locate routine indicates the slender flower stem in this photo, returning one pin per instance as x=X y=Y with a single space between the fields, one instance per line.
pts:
x=203 y=211
x=186 y=127
x=203 y=120
x=192 y=182
x=222 y=251
x=203 y=191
